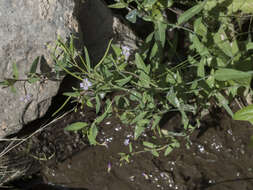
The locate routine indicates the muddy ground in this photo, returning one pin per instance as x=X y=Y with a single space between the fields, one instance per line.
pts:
x=219 y=158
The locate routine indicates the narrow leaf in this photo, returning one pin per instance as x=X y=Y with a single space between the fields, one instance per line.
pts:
x=72 y=94
x=161 y=30
x=92 y=134
x=76 y=126
x=87 y=59
x=118 y=5
x=15 y=71
x=34 y=65
x=98 y=104
x=191 y=13
x=102 y=117
x=149 y=144
x=230 y=74
x=124 y=81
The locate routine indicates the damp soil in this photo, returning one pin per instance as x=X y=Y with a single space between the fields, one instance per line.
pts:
x=219 y=157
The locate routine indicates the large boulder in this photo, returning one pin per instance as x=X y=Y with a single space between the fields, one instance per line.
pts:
x=27 y=29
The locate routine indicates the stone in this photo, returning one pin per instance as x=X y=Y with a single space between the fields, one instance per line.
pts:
x=28 y=28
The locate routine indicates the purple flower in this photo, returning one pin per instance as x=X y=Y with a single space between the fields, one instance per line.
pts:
x=109 y=167
x=126 y=142
x=85 y=84
x=27 y=98
x=126 y=52
x=144 y=175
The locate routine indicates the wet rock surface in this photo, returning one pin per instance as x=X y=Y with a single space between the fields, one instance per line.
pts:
x=218 y=158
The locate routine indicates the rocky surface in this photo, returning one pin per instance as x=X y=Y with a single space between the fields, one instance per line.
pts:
x=27 y=29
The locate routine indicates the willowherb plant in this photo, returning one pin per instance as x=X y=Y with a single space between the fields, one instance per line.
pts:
x=216 y=66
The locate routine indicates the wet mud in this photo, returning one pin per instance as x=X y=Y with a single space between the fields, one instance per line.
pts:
x=218 y=157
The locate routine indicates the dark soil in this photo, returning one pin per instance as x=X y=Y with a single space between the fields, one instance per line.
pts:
x=219 y=158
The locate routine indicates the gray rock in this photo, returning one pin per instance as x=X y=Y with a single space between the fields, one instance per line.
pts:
x=27 y=29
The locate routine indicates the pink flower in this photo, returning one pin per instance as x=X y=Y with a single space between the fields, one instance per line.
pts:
x=85 y=84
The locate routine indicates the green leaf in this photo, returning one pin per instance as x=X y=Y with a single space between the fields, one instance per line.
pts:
x=160 y=34
x=143 y=70
x=131 y=16
x=4 y=83
x=149 y=37
x=230 y=74
x=155 y=153
x=172 y=98
x=245 y=6
x=119 y=5
x=15 y=71
x=149 y=144
x=171 y=77
x=71 y=46
x=138 y=131
x=98 y=104
x=76 y=126
x=154 y=51
x=92 y=134
x=34 y=65
x=176 y=144
x=140 y=64
x=222 y=41
x=87 y=59
x=200 y=28
x=249 y=46
x=124 y=81
x=168 y=150
x=102 y=117
x=149 y=3
x=245 y=114
x=72 y=94
x=199 y=46
x=201 y=67
x=191 y=13
x=117 y=50
x=130 y=147
x=89 y=103
x=224 y=102
x=156 y=120
x=139 y=117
